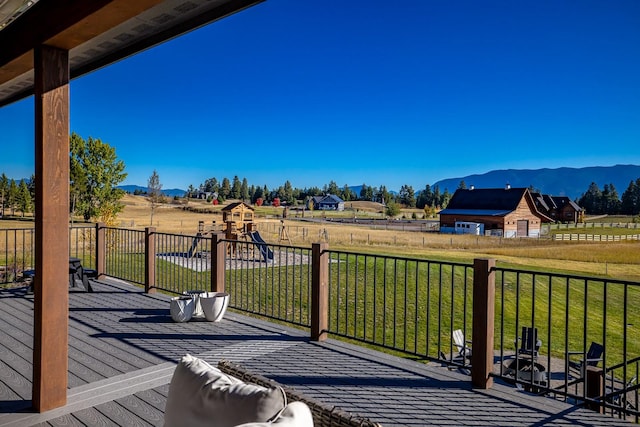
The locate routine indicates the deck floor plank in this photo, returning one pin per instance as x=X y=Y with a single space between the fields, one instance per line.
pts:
x=91 y=417
x=136 y=405
x=119 y=414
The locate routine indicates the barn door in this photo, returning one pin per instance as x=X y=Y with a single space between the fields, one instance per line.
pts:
x=523 y=228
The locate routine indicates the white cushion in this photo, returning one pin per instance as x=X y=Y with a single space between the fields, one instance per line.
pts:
x=202 y=395
x=296 y=414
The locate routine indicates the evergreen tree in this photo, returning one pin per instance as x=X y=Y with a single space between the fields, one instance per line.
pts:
x=444 y=199
x=332 y=188
x=631 y=199
x=225 y=189
x=383 y=195
x=236 y=188
x=287 y=194
x=244 y=190
x=406 y=196
x=12 y=196
x=347 y=194
x=591 y=200
x=32 y=189
x=437 y=197
x=4 y=190
x=24 y=198
x=210 y=186
x=425 y=198
x=610 y=203
x=257 y=193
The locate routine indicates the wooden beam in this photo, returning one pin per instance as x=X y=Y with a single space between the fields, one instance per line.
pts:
x=319 y=291
x=51 y=301
x=484 y=297
x=68 y=24
x=65 y=24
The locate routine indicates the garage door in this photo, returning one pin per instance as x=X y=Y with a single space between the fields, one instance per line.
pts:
x=523 y=228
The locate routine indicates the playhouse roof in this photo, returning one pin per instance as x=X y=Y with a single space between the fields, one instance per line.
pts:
x=235 y=205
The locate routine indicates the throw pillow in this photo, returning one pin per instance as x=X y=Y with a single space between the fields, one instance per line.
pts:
x=202 y=395
x=296 y=414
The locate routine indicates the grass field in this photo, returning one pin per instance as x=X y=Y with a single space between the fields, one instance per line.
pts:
x=612 y=259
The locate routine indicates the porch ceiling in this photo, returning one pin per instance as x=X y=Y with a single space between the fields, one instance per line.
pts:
x=96 y=33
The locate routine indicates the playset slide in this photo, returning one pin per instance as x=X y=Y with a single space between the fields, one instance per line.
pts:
x=262 y=245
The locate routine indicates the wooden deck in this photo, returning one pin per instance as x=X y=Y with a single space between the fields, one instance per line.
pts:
x=123 y=348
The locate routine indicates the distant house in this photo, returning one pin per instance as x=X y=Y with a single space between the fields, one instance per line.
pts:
x=559 y=208
x=206 y=195
x=328 y=202
x=508 y=212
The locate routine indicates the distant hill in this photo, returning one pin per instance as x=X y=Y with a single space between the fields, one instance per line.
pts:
x=571 y=182
x=169 y=193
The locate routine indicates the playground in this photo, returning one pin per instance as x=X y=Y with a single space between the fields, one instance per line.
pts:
x=246 y=250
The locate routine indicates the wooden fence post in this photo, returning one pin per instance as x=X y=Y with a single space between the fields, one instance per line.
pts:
x=101 y=250
x=319 y=291
x=217 y=262
x=484 y=295
x=150 y=259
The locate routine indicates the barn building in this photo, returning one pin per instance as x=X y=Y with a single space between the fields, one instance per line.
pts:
x=508 y=212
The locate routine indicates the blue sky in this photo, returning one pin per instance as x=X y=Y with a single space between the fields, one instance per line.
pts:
x=366 y=91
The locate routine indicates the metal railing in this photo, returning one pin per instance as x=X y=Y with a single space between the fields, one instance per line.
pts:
x=412 y=306
x=269 y=280
x=82 y=244
x=403 y=304
x=125 y=254
x=18 y=253
x=17 y=250
x=568 y=313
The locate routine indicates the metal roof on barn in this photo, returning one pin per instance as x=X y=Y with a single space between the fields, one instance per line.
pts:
x=563 y=200
x=487 y=199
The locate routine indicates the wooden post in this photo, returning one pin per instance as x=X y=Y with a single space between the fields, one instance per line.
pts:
x=150 y=260
x=101 y=250
x=217 y=262
x=484 y=295
x=319 y=291
x=594 y=384
x=51 y=284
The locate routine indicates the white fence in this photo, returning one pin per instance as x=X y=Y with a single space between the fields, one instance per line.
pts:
x=596 y=237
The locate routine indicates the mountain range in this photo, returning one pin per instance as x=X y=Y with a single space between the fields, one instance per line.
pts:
x=571 y=182
x=172 y=192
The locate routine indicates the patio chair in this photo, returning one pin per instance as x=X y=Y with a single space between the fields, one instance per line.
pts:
x=463 y=346
x=593 y=357
x=529 y=343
